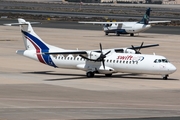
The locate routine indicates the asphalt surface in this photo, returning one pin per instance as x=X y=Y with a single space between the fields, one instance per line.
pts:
x=33 y=91
x=76 y=25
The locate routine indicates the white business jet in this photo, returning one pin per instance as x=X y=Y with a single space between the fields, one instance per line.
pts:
x=107 y=61
x=128 y=27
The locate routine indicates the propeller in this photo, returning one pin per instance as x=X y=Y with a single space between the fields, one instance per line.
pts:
x=100 y=58
x=138 y=51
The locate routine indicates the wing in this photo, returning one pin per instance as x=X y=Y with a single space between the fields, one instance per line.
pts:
x=151 y=22
x=101 y=23
x=85 y=53
x=135 y=47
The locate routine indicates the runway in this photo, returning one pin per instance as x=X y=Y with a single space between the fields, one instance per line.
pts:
x=33 y=91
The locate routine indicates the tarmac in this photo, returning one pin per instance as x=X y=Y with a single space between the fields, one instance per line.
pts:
x=33 y=91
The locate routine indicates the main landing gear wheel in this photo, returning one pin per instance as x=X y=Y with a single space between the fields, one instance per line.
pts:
x=90 y=74
x=108 y=75
x=165 y=77
x=132 y=34
x=117 y=34
x=106 y=33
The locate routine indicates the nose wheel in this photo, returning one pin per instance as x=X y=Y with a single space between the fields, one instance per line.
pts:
x=106 y=33
x=165 y=77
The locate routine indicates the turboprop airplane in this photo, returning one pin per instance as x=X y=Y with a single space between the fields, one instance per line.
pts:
x=128 y=27
x=107 y=61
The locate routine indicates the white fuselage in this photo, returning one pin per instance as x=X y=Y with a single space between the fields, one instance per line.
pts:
x=114 y=62
x=126 y=28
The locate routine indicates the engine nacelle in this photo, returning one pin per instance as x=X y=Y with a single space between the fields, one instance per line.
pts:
x=129 y=51
x=93 y=55
x=107 y=70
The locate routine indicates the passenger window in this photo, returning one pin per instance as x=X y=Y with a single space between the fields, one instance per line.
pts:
x=126 y=62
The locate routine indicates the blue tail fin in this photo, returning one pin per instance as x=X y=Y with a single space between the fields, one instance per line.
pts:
x=145 y=19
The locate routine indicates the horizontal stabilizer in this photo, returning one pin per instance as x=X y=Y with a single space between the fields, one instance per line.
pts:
x=151 y=22
x=17 y=24
x=20 y=52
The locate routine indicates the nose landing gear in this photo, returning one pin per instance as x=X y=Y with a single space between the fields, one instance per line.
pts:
x=165 y=77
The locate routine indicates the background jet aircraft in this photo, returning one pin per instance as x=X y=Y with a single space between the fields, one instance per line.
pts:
x=128 y=27
x=107 y=61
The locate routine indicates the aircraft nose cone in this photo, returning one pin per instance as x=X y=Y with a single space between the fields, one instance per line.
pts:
x=172 y=68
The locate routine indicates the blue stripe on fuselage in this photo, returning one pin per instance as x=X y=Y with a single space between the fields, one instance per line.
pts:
x=120 y=31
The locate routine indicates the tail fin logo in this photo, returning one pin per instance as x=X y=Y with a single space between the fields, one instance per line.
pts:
x=145 y=19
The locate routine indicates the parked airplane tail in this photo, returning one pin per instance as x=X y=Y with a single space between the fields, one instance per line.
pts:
x=31 y=39
x=145 y=19
x=34 y=44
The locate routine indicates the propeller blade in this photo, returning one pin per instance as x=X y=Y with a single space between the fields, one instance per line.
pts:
x=107 y=53
x=137 y=52
x=134 y=48
x=141 y=46
x=103 y=64
x=100 y=48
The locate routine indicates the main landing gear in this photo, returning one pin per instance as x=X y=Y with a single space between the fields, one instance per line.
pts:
x=117 y=34
x=106 y=33
x=108 y=75
x=90 y=74
x=132 y=34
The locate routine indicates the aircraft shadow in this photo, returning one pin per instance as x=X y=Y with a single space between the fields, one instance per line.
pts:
x=75 y=76
x=51 y=73
x=139 y=76
x=100 y=76
x=147 y=118
x=140 y=36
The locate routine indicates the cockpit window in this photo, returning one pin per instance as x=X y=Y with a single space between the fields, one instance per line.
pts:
x=161 y=61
